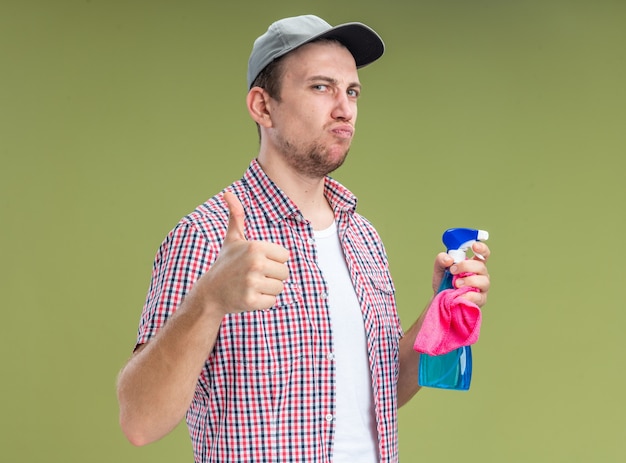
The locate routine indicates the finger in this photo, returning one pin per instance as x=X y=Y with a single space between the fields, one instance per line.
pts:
x=469 y=266
x=481 y=251
x=276 y=253
x=262 y=295
x=236 y=218
x=271 y=287
x=277 y=271
x=480 y=282
x=442 y=262
x=259 y=265
x=260 y=302
x=480 y=299
x=268 y=251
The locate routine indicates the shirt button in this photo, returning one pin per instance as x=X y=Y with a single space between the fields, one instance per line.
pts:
x=324 y=295
x=328 y=417
x=311 y=241
x=330 y=356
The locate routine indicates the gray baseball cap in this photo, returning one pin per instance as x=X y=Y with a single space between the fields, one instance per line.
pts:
x=288 y=34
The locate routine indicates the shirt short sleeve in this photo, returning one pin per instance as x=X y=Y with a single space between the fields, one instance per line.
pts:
x=182 y=258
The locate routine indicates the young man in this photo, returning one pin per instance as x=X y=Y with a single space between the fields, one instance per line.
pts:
x=270 y=320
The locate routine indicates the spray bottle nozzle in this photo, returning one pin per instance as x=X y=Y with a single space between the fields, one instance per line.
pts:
x=459 y=240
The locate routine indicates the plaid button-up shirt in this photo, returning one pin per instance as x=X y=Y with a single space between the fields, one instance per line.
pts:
x=266 y=392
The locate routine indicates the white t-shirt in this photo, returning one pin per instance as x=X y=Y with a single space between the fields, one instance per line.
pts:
x=356 y=437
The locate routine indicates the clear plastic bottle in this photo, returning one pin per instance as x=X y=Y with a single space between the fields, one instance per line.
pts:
x=448 y=371
x=454 y=369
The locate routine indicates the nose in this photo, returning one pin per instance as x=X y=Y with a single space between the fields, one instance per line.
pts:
x=345 y=107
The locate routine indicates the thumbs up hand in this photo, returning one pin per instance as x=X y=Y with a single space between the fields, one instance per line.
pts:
x=247 y=275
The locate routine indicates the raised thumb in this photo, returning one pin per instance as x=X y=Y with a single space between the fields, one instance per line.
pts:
x=236 y=218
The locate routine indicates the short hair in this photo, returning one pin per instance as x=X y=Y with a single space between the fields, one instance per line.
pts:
x=270 y=78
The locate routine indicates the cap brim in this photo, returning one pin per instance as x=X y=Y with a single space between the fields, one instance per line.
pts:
x=362 y=41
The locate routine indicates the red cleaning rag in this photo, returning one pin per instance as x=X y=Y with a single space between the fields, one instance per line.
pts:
x=450 y=322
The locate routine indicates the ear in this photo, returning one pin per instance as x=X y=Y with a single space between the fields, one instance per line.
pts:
x=258 y=102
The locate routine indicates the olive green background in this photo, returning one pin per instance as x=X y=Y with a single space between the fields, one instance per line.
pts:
x=119 y=117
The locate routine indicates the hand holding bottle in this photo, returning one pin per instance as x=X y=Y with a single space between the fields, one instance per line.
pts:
x=476 y=265
x=452 y=323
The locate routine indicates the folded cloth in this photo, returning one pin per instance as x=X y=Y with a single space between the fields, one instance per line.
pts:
x=451 y=321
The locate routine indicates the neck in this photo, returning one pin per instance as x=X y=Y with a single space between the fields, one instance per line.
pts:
x=306 y=193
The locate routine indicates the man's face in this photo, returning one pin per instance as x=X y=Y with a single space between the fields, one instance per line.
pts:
x=313 y=123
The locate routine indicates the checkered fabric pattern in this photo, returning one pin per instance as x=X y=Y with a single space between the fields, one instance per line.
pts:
x=266 y=392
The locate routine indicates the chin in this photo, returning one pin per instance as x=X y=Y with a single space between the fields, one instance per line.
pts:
x=336 y=164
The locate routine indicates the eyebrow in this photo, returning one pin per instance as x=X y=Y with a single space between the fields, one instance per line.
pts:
x=332 y=81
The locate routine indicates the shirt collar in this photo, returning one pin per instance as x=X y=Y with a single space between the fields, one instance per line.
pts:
x=277 y=206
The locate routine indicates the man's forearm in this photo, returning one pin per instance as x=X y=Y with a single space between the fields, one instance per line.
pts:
x=156 y=386
x=409 y=365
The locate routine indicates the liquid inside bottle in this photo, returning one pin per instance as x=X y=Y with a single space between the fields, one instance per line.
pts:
x=448 y=371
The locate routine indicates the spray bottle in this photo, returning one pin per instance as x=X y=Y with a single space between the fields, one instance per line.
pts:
x=454 y=369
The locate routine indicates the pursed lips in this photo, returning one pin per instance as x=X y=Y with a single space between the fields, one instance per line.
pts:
x=343 y=131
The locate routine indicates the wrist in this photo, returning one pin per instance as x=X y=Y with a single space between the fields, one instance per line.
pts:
x=204 y=306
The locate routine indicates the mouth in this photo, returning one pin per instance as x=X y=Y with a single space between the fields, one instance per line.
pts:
x=343 y=131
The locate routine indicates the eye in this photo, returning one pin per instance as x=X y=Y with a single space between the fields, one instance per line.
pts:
x=354 y=92
x=320 y=87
